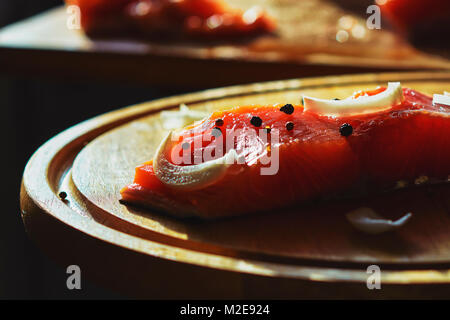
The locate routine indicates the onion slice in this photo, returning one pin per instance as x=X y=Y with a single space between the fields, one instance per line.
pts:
x=367 y=220
x=441 y=99
x=393 y=95
x=191 y=177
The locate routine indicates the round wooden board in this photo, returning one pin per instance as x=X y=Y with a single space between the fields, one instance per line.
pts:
x=310 y=251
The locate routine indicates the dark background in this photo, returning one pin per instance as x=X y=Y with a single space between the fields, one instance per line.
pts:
x=32 y=111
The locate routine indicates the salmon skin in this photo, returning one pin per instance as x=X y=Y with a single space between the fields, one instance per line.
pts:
x=318 y=156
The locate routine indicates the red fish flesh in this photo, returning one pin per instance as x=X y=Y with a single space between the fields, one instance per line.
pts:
x=318 y=156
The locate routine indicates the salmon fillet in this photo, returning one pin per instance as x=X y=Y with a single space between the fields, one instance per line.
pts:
x=317 y=157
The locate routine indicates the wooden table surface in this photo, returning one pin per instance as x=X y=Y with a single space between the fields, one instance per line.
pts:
x=44 y=46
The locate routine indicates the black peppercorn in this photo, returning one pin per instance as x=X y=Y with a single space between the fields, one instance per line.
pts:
x=290 y=126
x=346 y=130
x=256 y=121
x=287 y=108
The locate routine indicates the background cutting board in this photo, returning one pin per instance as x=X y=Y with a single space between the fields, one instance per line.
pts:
x=305 y=45
x=308 y=252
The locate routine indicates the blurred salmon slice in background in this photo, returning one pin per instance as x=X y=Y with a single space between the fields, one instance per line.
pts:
x=309 y=31
x=196 y=18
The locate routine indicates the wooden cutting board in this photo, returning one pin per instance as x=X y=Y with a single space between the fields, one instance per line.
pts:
x=305 y=45
x=309 y=251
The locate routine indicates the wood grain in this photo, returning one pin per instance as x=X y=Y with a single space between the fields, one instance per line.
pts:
x=305 y=45
x=316 y=249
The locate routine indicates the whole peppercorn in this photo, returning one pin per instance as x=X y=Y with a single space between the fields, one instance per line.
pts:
x=287 y=108
x=290 y=126
x=346 y=130
x=256 y=121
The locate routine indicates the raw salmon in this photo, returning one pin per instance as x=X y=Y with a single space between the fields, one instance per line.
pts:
x=319 y=156
x=188 y=18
